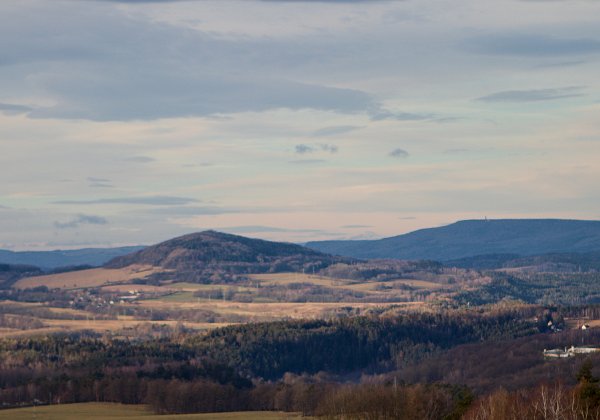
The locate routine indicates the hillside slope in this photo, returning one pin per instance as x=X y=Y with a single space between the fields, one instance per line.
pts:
x=11 y=273
x=198 y=256
x=469 y=238
x=555 y=262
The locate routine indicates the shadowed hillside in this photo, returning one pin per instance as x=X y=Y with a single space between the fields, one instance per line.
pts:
x=476 y=237
x=11 y=273
x=555 y=262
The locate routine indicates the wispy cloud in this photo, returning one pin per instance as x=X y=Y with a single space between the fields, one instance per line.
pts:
x=266 y=229
x=560 y=64
x=531 y=45
x=331 y=148
x=99 y=182
x=456 y=151
x=198 y=165
x=383 y=114
x=399 y=153
x=13 y=109
x=335 y=130
x=156 y=200
x=533 y=95
x=307 y=161
x=140 y=159
x=302 y=149
x=81 y=219
x=94 y=179
x=158 y=88
x=192 y=210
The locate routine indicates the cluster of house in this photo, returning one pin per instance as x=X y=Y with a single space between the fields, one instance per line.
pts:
x=84 y=298
x=133 y=295
x=569 y=352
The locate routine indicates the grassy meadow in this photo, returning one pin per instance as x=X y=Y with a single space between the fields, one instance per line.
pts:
x=101 y=411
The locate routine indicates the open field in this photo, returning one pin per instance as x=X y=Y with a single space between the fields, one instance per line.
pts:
x=117 y=324
x=100 y=411
x=111 y=280
x=92 y=300
x=250 y=312
x=101 y=326
x=417 y=284
x=193 y=287
x=271 y=310
x=62 y=312
x=126 y=288
x=77 y=320
x=94 y=277
x=283 y=279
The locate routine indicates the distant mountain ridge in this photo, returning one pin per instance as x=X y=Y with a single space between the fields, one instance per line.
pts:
x=469 y=238
x=49 y=260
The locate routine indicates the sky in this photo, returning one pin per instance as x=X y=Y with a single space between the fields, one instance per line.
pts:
x=130 y=122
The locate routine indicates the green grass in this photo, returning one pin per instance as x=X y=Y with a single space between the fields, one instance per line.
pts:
x=98 y=411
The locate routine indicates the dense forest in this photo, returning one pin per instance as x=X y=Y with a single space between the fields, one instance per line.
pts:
x=210 y=256
x=251 y=366
x=556 y=262
x=10 y=273
x=538 y=288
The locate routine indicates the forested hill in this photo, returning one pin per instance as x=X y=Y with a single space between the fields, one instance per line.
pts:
x=10 y=273
x=231 y=253
x=556 y=262
x=62 y=258
x=519 y=237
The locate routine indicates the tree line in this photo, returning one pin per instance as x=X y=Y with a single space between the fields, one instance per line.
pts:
x=239 y=367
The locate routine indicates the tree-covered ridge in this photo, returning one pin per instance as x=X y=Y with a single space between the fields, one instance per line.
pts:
x=552 y=262
x=9 y=273
x=199 y=256
x=270 y=349
x=469 y=238
x=208 y=246
x=289 y=366
x=537 y=288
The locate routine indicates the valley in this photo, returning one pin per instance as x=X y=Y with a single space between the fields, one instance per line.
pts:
x=212 y=322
